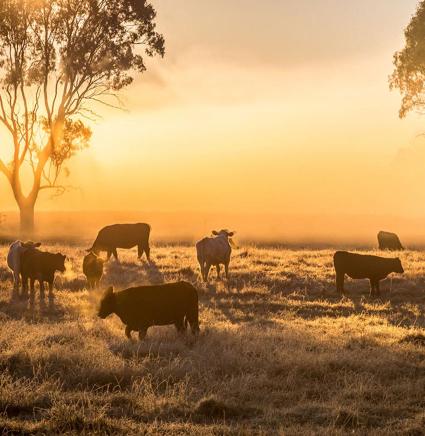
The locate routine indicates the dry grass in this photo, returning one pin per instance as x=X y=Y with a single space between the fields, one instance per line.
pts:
x=279 y=352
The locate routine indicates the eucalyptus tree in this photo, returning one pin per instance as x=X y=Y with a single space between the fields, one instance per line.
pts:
x=60 y=59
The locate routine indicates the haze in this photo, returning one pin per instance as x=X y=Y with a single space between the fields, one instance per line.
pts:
x=272 y=107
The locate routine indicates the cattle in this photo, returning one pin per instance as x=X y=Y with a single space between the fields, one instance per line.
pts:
x=123 y=236
x=145 y=306
x=93 y=269
x=41 y=266
x=389 y=241
x=358 y=266
x=215 y=251
x=16 y=250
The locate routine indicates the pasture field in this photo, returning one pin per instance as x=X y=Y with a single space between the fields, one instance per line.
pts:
x=279 y=352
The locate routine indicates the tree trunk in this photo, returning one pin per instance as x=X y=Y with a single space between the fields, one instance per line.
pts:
x=27 y=220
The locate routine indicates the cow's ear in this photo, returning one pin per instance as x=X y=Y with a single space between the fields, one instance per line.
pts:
x=214 y=232
x=37 y=244
x=231 y=234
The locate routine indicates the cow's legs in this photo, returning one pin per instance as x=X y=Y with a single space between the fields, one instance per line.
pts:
x=372 y=287
x=142 y=333
x=218 y=270
x=207 y=271
x=226 y=270
x=201 y=265
x=340 y=283
x=114 y=252
x=378 y=290
x=148 y=251
x=144 y=247
x=16 y=280
x=128 y=332
x=41 y=288
x=24 y=286
x=180 y=326
x=108 y=255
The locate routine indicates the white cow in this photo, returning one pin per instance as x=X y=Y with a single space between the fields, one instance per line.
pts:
x=215 y=251
x=14 y=258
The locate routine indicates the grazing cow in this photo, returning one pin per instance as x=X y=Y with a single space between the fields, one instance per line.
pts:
x=93 y=269
x=123 y=236
x=389 y=241
x=16 y=250
x=145 y=306
x=41 y=266
x=358 y=266
x=215 y=251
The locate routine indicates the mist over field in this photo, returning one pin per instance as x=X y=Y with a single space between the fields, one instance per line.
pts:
x=333 y=230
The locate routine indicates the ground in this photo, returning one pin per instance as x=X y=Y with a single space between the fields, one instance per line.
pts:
x=279 y=352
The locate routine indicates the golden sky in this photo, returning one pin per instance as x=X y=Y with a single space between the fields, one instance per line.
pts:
x=272 y=106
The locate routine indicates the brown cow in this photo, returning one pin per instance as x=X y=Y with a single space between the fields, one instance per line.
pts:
x=358 y=266
x=123 y=236
x=41 y=266
x=144 y=306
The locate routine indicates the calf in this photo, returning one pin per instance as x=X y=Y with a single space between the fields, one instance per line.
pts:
x=145 y=306
x=359 y=266
x=215 y=251
x=41 y=266
x=93 y=269
x=16 y=250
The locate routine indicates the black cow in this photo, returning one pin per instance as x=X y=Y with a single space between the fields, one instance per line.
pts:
x=358 y=266
x=93 y=269
x=142 y=307
x=389 y=241
x=41 y=266
x=123 y=236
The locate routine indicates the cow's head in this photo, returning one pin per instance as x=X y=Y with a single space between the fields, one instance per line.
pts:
x=59 y=262
x=226 y=234
x=398 y=267
x=107 y=303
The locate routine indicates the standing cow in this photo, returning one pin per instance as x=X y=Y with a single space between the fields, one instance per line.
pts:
x=16 y=250
x=145 y=306
x=41 y=266
x=123 y=236
x=389 y=241
x=215 y=251
x=360 y=266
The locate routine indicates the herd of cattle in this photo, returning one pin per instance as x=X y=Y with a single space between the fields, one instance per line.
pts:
x=174 y=303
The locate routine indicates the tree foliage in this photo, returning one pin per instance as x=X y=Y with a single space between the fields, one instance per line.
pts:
x=409 y=72
x=57 y=58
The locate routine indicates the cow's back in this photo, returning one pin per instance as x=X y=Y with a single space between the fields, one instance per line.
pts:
x=123 y=235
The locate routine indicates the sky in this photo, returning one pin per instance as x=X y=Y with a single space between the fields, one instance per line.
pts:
x=272 y=106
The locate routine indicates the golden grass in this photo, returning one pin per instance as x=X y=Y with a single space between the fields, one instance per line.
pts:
x=279 y=352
